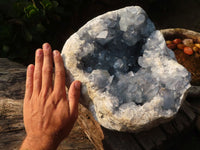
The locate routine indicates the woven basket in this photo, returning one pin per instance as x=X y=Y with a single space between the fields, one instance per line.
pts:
x=191 y=63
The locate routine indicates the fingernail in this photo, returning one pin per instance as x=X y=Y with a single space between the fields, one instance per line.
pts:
x=46 y=46
x=31 y=67
x=39 y=52
x=77 y=85
x=55 y=53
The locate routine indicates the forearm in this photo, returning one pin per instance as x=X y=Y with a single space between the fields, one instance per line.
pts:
x=39 y=144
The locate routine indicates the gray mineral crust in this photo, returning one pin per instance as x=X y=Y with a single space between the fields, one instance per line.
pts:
x=130 y=79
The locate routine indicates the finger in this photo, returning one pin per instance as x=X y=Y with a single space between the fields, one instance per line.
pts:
x=47 y=68
x=29 y=82
x=59 y=83
x=37 y=80
x=73 y=96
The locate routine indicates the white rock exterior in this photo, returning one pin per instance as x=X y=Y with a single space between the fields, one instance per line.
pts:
x=130 y=79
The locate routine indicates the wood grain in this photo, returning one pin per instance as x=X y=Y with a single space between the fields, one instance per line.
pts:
x=12 y=132
x=87 y=133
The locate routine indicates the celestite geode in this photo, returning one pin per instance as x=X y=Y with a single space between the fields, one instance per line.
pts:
x=130 y=79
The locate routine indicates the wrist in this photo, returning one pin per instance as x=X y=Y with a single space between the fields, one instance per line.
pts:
x=39 y=143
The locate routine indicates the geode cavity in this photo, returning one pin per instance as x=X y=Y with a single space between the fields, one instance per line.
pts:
x=130 y=79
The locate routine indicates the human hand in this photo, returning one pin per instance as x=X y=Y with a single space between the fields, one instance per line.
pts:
x=48 y=115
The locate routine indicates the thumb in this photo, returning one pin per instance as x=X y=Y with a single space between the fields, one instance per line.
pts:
x=73 y=96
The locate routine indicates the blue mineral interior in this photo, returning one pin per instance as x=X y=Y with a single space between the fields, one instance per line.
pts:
x=115 y=55
x=119 y=58
x=122 y=55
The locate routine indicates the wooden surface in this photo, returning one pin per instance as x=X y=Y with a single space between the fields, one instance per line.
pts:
x=161 y=137
x=12 y=130
x=12 y=133
x=87 y=133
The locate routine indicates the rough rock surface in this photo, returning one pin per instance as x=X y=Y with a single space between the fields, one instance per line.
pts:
x=131 y=80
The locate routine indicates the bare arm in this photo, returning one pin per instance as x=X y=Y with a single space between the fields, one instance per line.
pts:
x=48 y=114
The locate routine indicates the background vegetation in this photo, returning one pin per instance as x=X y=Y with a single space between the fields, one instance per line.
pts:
x=26 y=24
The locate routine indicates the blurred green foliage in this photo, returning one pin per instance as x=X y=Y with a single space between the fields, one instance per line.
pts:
x=25 y=24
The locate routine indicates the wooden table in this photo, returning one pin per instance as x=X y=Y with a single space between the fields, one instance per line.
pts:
x=12 y=133
x=87 y=133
